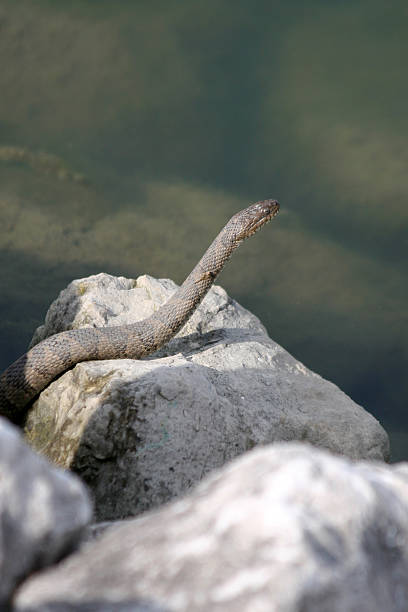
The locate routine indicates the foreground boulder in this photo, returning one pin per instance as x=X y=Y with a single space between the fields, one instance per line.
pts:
x=285 y=528
x=43 y=511
x=142 y=432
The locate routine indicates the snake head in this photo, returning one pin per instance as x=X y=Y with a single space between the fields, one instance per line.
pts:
x=251 y=219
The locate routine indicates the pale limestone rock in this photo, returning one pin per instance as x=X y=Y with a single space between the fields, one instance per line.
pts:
x=142 y=432
x=43 y=511
x=284 y=528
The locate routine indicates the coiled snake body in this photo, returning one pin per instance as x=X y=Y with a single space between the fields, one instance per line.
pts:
x=32 y=372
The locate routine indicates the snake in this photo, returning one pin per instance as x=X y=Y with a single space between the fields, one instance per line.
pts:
x=23 y=380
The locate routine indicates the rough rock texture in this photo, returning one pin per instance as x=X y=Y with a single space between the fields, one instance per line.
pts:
x=285 y=528
x=43 y=511
x=142 y=432
x=97 y=605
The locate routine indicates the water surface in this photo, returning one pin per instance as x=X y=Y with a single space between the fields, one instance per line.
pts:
x=131 y=131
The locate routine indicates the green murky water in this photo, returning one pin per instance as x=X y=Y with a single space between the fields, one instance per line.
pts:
x=130 y=132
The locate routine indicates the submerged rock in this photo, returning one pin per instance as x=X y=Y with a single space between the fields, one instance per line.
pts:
x=142 y=432
x=285 y=528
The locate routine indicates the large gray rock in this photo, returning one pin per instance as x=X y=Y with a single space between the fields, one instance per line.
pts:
x=284 y=528
x=142 y=432
x=43 y=511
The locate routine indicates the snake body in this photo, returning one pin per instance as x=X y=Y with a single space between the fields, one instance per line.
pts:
x=33 y=371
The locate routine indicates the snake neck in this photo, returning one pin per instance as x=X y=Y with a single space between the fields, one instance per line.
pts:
x=177 y=310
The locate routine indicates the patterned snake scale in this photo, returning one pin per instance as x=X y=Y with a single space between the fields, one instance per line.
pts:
x=34 y=370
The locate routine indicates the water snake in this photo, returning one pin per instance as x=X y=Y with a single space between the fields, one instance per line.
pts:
x=33 y=371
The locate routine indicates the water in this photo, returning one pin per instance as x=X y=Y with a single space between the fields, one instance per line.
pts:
x=131 y=131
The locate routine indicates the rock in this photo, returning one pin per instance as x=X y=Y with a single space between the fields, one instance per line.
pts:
x=99 y=606
x=142 y=432
x=43 y=511
x=103 y=299
x=285 y=528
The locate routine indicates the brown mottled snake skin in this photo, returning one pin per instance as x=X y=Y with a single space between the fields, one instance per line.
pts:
x=32 y=372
